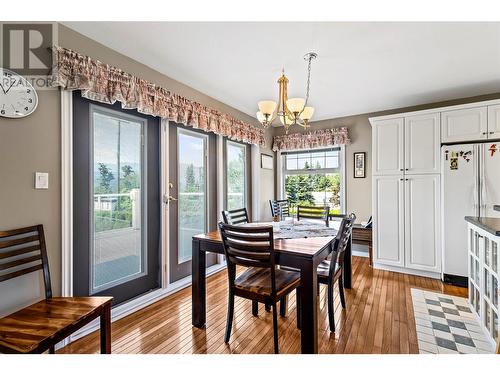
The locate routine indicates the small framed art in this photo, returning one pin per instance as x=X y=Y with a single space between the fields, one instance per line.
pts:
x=266 y=161
x=359 y=164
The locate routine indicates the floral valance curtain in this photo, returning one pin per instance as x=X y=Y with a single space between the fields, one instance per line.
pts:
x=314 y=139
x=107 y=84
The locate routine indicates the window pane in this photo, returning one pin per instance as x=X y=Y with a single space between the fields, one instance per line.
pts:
x=191 y=182
x=318 y=162
x=332 y=162
x=117 y=252
x=304 y=162
x=235 y=176
x=291 y=162
x=313 y=189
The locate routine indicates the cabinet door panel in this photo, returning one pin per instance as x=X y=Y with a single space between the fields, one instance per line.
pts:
x=422 y=223
x=388 y=146
x=494 y=121
x=463 y=125
x=388 y=220
x=422 y=143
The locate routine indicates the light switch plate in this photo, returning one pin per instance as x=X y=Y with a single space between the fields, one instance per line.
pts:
x=41 y=180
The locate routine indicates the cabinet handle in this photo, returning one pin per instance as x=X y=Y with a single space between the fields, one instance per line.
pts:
x=484 y=133
x=492 y=132
x=406 y=179
x=401 y=169
x=407 y=169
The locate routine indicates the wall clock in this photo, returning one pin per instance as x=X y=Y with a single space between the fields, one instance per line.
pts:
x=18 y=98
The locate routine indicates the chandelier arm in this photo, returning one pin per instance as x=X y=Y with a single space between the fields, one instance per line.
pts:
x=308 y=85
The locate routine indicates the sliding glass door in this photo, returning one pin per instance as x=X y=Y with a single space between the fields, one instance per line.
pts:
x=189 y=173
x=116 y=201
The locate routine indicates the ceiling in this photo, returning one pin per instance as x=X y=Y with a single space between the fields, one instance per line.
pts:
x=361 y=67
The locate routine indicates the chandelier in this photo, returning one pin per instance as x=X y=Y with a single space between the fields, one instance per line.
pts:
x=293 y=111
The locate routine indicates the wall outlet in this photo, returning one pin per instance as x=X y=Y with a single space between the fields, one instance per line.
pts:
x=41 y=180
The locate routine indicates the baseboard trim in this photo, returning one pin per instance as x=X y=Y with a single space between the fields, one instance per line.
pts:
x=456 y=280
x=385 y=267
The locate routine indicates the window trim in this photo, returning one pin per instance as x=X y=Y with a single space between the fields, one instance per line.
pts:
x=283 y=172
x=244 y=146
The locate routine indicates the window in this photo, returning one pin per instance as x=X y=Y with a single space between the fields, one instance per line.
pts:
x=235 y=175
x=314 y=177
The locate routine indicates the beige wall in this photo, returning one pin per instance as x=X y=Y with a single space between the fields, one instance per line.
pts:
x=32 y=144
x=358 y=190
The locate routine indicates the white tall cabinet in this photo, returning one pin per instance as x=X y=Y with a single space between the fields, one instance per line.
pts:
x=406 y=193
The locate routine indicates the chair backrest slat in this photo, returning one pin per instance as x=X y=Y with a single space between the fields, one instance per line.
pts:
x=248 y=247
x=234 y=217
x=313 y=212
x=280 y=207
x=341 y=241
x=20 y=249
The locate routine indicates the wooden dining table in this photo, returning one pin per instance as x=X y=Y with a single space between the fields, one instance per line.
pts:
x=304 y=254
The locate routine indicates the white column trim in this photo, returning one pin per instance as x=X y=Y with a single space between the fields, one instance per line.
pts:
x=279 y=176
x=66 y=193
x=164 y=207
x=220 y=176
x=255 y=181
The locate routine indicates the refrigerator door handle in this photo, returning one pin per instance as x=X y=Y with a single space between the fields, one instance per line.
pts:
x=484 y=192
x=474 y=169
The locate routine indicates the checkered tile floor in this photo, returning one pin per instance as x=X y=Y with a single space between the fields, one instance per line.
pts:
x=445 y=324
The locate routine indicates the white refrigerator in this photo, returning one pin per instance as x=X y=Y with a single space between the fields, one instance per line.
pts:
x=471 y=187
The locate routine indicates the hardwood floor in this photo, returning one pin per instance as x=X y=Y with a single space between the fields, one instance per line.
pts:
x=378 y=319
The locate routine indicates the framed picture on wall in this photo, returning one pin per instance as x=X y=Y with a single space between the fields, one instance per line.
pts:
x=266 y=161
x=359 y=164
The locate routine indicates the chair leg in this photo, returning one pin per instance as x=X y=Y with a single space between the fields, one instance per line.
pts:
x=341 y=292
x=268 y=307
x=283 y=306
x=230 y=312
x=331 y=312
x=275 y=328
x=255 y=308
x=298 y=306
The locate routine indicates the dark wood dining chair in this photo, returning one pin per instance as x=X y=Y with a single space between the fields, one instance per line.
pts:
x=261 y=281
x=39 y=327
x=235 y=217
x=314 y=213
x=331 y=270
x=280 y=207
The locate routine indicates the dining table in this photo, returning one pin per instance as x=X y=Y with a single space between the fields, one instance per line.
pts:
x=299 y=245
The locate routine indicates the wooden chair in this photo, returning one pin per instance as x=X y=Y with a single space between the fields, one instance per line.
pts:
x=314 y=213
x=262 y=281
x=330 y=271
x=41 y=326
x=280 y=207
x=235 y=217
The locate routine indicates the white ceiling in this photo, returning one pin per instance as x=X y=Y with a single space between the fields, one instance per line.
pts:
x=362 y=67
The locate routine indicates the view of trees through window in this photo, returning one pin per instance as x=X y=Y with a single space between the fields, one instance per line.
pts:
x=313 y=179
x=235 y=175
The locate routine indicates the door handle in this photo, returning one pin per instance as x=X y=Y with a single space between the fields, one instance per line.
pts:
x=168 y=199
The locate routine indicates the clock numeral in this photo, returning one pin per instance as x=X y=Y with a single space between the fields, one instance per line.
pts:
x=2 y=112
x=30 y=100
x=26 y=109
x=28 y=91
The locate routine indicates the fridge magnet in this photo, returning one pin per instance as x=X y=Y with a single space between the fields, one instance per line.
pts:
x=467 y=155
x=493 y=148
x=454 y=164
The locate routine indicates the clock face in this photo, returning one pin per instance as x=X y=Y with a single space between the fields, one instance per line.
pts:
x=18 y=98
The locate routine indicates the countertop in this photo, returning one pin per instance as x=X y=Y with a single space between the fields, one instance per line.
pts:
x=489 y=224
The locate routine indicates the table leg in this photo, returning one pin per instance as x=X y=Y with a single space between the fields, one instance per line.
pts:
x=106 y=330
x=370 y=254
x=348 y=266
x=198 y=286
x=308 y=308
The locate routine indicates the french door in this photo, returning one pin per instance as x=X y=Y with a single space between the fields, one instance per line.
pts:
x=192 y=203
x=116 y=202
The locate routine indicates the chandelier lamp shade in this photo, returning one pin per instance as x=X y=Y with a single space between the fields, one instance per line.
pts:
x=290 y=111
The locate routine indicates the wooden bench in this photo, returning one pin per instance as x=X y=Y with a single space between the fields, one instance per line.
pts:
x=363 y=236
x=39 y=327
